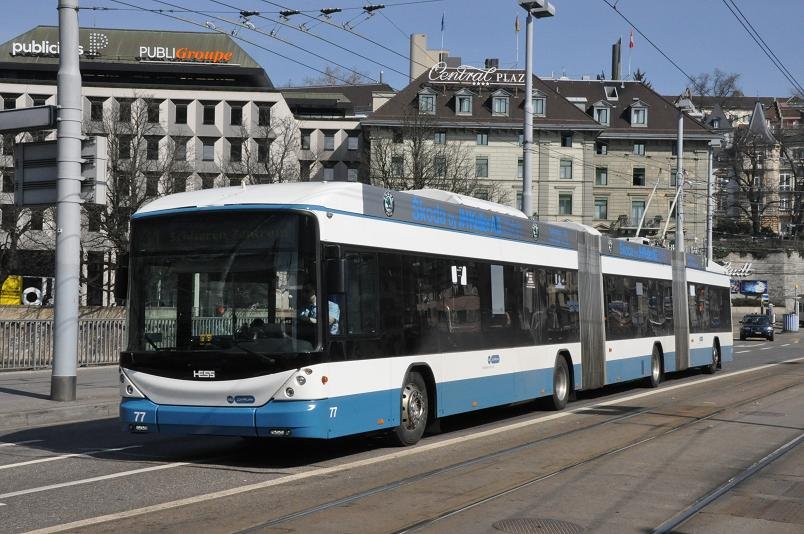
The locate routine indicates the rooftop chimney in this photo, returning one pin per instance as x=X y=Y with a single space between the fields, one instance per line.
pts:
x=492 y=62
x=615 y=59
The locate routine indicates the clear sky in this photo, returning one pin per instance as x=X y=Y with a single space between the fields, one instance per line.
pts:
x=699 y=35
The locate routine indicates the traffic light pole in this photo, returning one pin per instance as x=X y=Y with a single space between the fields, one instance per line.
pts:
x=68 y=207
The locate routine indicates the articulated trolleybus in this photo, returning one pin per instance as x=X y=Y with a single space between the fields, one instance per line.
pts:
x=319 y=310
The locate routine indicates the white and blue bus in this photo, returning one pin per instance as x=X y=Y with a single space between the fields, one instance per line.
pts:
x=320 y=310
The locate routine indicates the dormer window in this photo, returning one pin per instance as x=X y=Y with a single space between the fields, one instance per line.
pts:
x=539 y=101
x=427 y=101
x=716 y=123
x=602 y=112
x=499 y=103
x=611 y=92
x=639 y=113
x=463 y=102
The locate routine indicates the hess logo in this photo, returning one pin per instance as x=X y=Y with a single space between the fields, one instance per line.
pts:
x=204 y=374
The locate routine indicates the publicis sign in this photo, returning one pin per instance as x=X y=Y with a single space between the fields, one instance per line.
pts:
x=46 y=48
x=468 y=75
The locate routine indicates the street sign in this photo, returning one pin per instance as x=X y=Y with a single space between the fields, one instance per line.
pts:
x=36 y=172
x=33 y=118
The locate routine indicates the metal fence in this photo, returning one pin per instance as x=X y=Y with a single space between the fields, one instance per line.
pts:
x=28 y=343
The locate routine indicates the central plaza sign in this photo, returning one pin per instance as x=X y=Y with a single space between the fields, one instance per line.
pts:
x=468 y=75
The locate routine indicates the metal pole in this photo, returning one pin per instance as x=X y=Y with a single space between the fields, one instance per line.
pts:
x=68 y=208
x=680 y=183
x=527 y=138
x=710 y=207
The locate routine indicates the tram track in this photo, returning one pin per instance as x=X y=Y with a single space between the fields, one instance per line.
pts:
x=431 y=474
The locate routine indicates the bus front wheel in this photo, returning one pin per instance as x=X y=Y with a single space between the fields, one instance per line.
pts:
x=414 y=410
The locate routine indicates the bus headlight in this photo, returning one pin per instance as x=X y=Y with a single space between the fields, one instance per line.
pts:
x=301 y=380
x=289 y=392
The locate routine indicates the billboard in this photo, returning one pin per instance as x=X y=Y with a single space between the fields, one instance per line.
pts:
x=753 y=287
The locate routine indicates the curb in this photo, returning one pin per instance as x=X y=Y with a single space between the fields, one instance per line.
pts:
x=66 y=414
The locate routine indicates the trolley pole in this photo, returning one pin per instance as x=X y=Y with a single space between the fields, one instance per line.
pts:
x=68 y=207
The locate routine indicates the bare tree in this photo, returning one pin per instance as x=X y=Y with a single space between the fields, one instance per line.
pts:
x=142 y=164
x=269 y=153
x=753 y=196
x=337 y=76
x=408 y=157
x=718 y=84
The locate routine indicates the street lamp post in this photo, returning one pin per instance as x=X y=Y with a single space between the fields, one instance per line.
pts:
x=538 y=9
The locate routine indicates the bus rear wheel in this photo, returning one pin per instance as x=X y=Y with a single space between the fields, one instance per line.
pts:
x=561 y=385
x=414 y=410
x=712 y=367
x=655 y=377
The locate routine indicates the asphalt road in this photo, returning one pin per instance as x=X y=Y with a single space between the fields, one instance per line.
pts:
x=621 y=459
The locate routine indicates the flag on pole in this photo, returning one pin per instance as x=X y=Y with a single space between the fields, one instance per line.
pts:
x=631 y=40
x=516 y=24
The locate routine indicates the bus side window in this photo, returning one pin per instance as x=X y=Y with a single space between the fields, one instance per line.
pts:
x=362 y=296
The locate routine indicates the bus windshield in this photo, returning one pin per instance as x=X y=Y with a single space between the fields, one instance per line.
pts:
x=229 y=283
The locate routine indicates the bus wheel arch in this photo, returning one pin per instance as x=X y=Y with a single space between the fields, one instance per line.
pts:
x=716 y=362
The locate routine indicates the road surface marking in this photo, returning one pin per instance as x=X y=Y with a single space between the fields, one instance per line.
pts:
x=323 y=471
x=65 y=456
x=93 y=479
x=785 y=345
x=741 y=351
x=766 y=348
x=11 y=444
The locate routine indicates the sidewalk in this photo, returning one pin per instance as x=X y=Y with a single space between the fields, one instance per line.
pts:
x=25 y=398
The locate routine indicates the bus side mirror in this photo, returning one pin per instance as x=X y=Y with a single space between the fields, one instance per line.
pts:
x=336 y=276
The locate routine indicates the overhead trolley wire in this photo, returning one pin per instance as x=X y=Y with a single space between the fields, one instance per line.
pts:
x=243 y=39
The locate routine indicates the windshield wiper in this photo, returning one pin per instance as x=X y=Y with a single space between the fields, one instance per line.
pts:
x=150 y=341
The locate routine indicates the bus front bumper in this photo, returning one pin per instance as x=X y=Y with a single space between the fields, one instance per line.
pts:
x=300 y=419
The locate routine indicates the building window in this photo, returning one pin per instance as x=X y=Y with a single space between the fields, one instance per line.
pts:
x=601 y=148
x=208 y=149
x=602 y=116
x=93 y=218
x=8 y=181
x=463 y=105
x=207 y=181
x=398 y=137
x=352 y=142
x=397 y=166
x=784 y=183
x=37 y=219
x=124 y=110
x=601 y=176
x=639 y=176
x=236 y=115
x=8 y=144
x=236 y=150
x=351 y=174
x=482 y=167
x=440 y=138
x=181 y=112
x=305 y=139
x=639 y=149
x=565 y=203
x=179 y=183
x=539 y=105
x=329 y=140
x=124 y=147
x=520 y=168
x=39 y=100
x=96 y=110
x=565 y=169
x=209 y=113
x=674 y=177
x=263 y=114
x=151 y=185
x=152 y=111
x=637 y=210
x=152 y=148
x=566 y=139
x=601 y=209
x=519 y=200
x=639 y=116
x=427 y=104
x=520 y=140
x=500 y=105
x=263 y=149
x=234 y=181
x=715 y=123
x=180 y=149
x=482 y=138
x=9 y=102
x=440 y=166
x=8 y=221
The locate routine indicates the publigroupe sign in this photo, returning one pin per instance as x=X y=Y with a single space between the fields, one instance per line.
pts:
x=99 y=41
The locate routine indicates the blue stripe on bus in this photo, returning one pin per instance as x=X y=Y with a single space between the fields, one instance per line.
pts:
x=726 y=353
x=669 y=362
x=627 y=369
x=699 y=357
